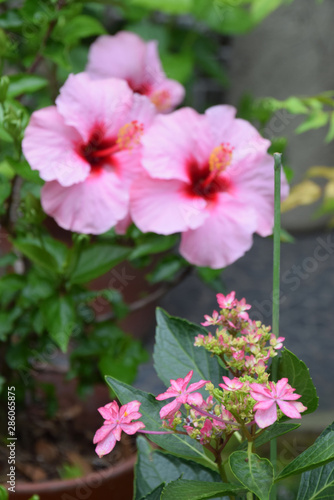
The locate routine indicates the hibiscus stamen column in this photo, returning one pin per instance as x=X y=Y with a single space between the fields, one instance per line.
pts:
x=219 y=160
x=276 y=290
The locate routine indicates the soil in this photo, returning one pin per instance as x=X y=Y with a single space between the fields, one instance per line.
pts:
x=61 y=447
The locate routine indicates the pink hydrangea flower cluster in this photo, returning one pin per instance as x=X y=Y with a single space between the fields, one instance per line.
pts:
x=110 y=157
x=242 y=403
x=244 y=346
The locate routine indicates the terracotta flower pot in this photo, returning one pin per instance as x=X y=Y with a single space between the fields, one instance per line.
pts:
x=112 y=482
x=115 y=482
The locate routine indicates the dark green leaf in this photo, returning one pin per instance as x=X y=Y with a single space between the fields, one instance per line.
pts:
x=10 y=284
x=59 y=318
x=317 y=484
x=36 y=288
x=79 y=27
x=180 y=445
x=330 y=134
x=315 y=120
x=169 y=6
x=299 y=378
x=154 y=467
x=153 y=243
x=276 y=430
x=155 y=494
x=197 y=490
x=5 y=190
x=175 y=354
x=96 y=260
x=4 y=493
x=320 y=453
x=10 y=19
x=25 y=84
x=23 y=169
x=36 y=253
x=286 y=237
x=255 y=473
x=17 y=357
x=8 y=259
x=57 y=249
x=179 y=67
x=166 y=269
x=7 y=319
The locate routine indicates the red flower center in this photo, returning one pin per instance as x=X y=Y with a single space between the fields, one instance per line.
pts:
x=99 y=150
x=142 y=88
x=209 y=180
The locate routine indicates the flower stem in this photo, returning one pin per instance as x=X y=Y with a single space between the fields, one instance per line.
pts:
x=276 y=291
x=249 y=495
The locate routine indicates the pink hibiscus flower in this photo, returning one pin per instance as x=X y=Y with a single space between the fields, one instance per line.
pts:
x=116 y=420
x=88 y=149
x=179 y=391
x=281 y=394
x=125 y=55
x=209 y=177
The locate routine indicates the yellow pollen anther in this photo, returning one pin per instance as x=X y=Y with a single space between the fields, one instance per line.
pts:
x=220 y=157
x=130 y=134
x=125 y=414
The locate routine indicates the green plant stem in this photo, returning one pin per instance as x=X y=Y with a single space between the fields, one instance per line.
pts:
x=276 y=291
x=222 y=472
x=249 y=495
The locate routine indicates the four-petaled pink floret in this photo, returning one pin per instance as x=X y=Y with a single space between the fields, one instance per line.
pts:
x=214 y=320
x=276 y=342
x=281 y=394
x=226 y=302
x=116 y=420
x=179 y=391
x=231 y=385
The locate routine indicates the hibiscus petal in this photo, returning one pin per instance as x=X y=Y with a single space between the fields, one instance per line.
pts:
x=85 y=103
x=256 y=175
x=172 y=141
x=264 y=418
x=220 y=119
x=160 y=206
x=225 y=236
x=121 y=56
x=49 y=145
x=167 y=95
x=91 y=207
